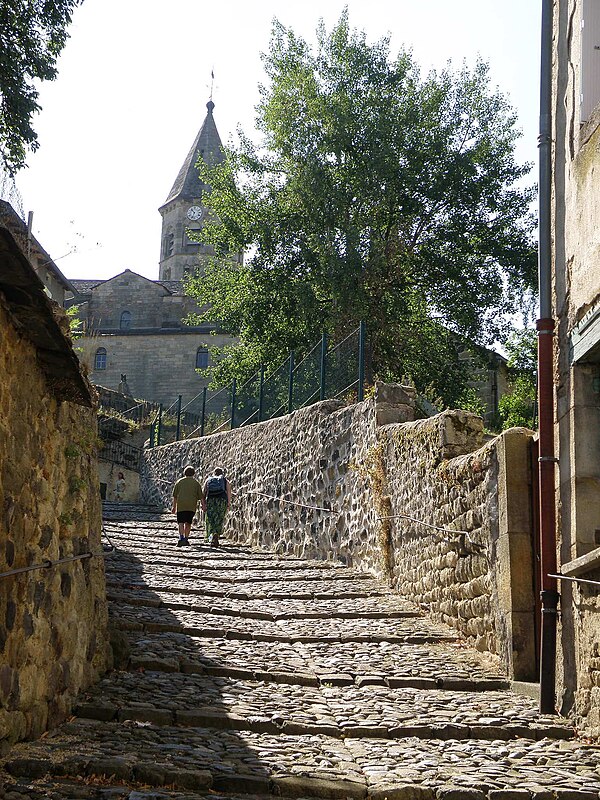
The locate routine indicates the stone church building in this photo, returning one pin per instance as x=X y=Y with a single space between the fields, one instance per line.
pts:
x=134 y=326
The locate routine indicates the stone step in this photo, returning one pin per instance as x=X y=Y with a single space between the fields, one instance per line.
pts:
x=187 y=582
x=144 y=618
x=100 y=788
x=180 y=564
x=393 y=665
x=201 y=759
x=211 y=558
x=366 y=711
x=366 y=608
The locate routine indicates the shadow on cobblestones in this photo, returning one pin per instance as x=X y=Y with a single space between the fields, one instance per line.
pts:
x=157 y=719
x=247 y=673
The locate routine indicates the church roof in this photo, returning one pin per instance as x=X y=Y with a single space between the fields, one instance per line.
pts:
x=11 y=220
x=84 y=287
x=207 y=145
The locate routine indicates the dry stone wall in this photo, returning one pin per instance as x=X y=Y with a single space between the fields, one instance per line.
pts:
x=434 y=492
x=52 y=621
x=306 y=457
x=357 y=474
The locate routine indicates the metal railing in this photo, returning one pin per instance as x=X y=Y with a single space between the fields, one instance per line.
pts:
x=127 y=455
x=325 y=372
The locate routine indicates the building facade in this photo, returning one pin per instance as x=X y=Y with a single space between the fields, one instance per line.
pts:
x=133 y=326
x=56 y=286
x=576 y=298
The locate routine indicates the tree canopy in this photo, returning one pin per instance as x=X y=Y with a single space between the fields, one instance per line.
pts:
x=32 y=34
x=377 y=193
x=518 y=406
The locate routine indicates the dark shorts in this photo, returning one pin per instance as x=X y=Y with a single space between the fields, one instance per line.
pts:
x=185 y=516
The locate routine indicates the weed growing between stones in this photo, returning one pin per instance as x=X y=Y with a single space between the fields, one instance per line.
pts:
x=373 y=468
x=71 y=452
x=76 y=484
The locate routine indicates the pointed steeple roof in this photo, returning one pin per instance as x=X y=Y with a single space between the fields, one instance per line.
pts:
x=207 y=145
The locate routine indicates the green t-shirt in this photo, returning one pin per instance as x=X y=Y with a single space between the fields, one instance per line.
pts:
x=187 y=492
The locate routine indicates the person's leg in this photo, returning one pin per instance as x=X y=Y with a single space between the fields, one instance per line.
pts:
x=219 y=520
x=210 y=518
x=187 y=527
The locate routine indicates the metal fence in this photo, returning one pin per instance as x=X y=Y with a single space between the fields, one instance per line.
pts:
x=325 y=372
x=126 y=455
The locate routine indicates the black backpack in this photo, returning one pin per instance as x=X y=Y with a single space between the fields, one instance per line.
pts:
x=216 y=486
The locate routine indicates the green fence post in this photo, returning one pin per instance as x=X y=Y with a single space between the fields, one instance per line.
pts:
x=233 y=392
x=291 y=384
x=159 y=425
x=202 y=419
x=323 y=365
x=261 y=388
x=178 y=429
x=152 y=434
x=362 y=329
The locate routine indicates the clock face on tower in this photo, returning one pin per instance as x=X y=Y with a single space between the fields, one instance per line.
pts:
x=194 y=213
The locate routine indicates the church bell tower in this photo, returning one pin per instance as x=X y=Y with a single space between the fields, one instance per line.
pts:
x=184 y=211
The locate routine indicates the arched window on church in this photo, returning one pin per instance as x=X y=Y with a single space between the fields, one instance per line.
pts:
x=168 y=244
x=100 y=358
x=125 y=321
x=202 y=358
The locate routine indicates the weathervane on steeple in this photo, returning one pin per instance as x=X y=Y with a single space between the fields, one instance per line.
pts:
x=210 y=105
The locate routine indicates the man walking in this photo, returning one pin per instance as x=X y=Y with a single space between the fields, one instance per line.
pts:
x=187 y=492
x=216 y=498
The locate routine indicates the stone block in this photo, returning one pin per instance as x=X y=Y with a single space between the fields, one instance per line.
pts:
x=459 y=793
x=301 y=786
x=157 y=716
x=245 y=784
x=188 y=778
x=408 y=792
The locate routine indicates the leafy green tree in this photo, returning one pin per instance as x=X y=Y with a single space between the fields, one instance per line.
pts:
x=518 y=407
x=32 y=34
x=377 y=194
x=75 y=323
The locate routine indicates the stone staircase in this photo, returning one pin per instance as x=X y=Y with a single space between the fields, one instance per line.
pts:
x=246 y=673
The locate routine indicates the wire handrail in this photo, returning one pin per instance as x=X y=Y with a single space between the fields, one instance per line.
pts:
x=346 y=389
x=339 y=344
x=307 y=356
x=276 y=370
x=49 y=563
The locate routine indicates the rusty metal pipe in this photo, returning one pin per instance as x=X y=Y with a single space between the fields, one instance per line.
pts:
x=545 y=329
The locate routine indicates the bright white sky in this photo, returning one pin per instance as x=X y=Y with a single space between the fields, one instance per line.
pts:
x=132 y=88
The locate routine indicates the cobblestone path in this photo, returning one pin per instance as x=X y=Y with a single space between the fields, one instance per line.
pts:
x=249 y=674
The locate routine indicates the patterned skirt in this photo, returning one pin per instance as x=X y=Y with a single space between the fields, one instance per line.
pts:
x=216 y=508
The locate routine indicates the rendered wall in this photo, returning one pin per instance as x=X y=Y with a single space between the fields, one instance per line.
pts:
x=341 y=459
x=52 y=621
x=576 y=297
x=158 y=366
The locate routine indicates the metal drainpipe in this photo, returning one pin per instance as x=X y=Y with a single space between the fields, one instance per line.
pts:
x=545 y=328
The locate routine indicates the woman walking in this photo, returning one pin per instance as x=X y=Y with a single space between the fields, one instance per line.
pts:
x=215 y=500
